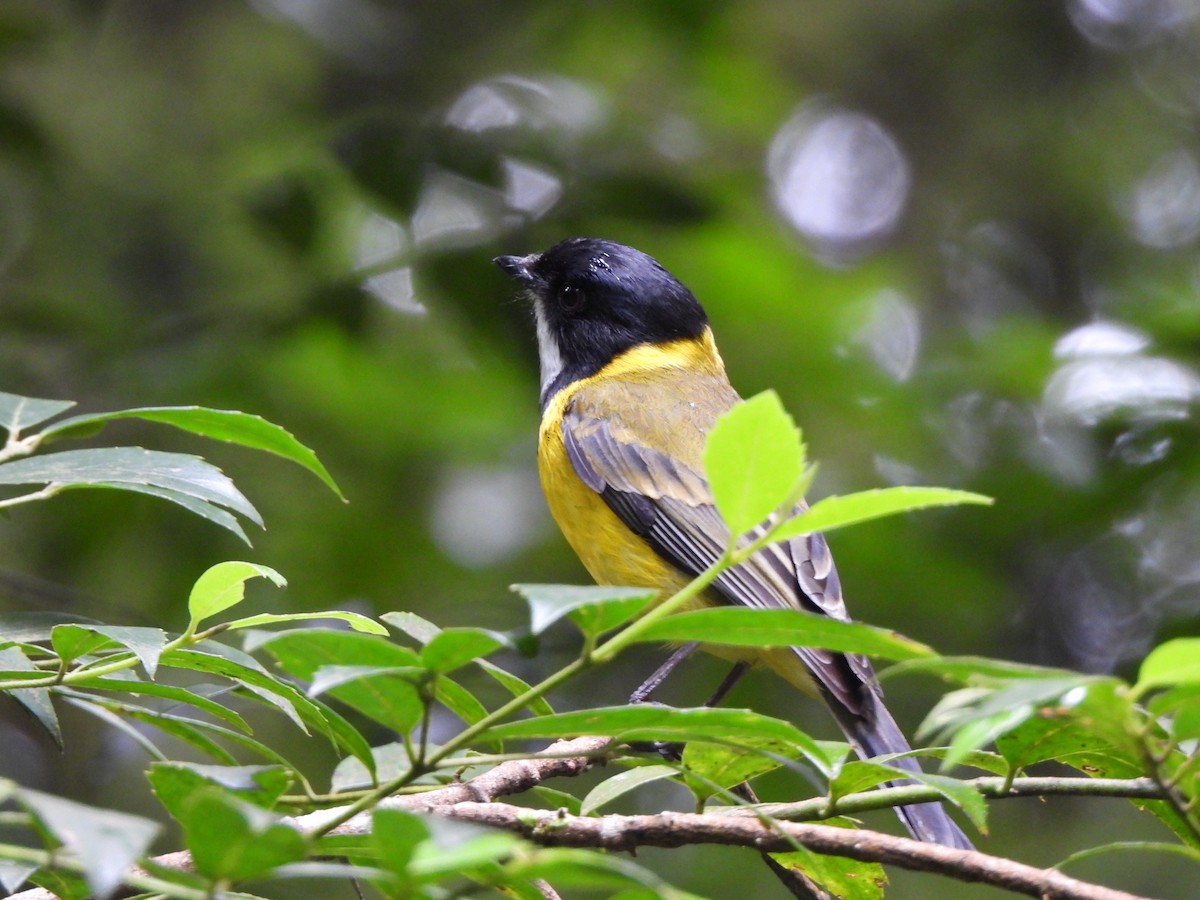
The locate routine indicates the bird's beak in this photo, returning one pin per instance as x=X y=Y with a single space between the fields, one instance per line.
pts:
x=519 y=268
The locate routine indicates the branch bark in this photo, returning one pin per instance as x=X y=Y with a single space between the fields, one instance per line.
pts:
x=557 y=829
x=477 y=801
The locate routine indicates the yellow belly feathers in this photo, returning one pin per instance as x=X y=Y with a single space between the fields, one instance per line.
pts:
x=609 y=550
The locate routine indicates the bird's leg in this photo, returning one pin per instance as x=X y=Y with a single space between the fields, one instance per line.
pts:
x=664 y=749
x=642 y=694
x=734 y=676
x=650 y=685
x=796 y=882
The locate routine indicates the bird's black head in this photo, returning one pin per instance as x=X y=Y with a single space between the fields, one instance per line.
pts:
x=595 y=299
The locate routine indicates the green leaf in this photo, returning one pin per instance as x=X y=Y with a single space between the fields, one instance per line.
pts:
x=416 y=627
x=740 y=727
x=90 y=704
x=35 y=700
x=423 y=631
x=32 y=627
x=340 y=732
x=201 y=508
x=1068 y=741
x=458 y=700
x=1171 y=701
x=354 y=620
x=717 y=766
x=129 y=467
x=753 y=458
x=977 y=716
x=972 y=669
x=146 y=643
x=594 y=871
x=515 y=686
x=230 y=838
x=455 y=647
x=63 y=885
x=220 y=424
x=457 y=846
x=328 y=678
x=622 y=783
x=860 y=775
x=837 y=512
x=175 y=782
x=396 y=834
x=390 y=762
x=846 y=879
x=1188 y=853
x=1104 y=707
x=1057 y=739
x=612 y=606
x=18 y=413
x=972 y=734
x=302 y=651
x=73 y=641
x=194 y=731
x=1182 y=705
x=1170 y=663
x=977 y=759
x=108 y=842
x=1103 y=710
x=216 y=659
x=356 y=847
x=743 y=627
x=390 y=701
x=557 y=799
x=223 y=586
x=13 y=874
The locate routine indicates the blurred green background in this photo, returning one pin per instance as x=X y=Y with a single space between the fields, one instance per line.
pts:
x=959 y=238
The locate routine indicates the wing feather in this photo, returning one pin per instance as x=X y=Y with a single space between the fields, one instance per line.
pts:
x=667 y=501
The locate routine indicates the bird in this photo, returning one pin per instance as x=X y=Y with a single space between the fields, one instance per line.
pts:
x=631 y=384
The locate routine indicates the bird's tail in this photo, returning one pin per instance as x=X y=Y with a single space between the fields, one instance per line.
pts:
x=873 y=732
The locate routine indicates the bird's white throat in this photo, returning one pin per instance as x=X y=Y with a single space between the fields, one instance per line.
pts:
x=548 y=350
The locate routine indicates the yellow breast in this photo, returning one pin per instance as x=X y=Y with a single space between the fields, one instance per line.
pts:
x=608 y=549
x=610 y=552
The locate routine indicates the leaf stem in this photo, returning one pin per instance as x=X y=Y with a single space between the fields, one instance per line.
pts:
x=614 y=645
x=17 y=446
x=82 y=673
x=44 y=494
x=515 y=705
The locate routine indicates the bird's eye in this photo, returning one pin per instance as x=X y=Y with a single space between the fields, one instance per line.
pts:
x=571 y=298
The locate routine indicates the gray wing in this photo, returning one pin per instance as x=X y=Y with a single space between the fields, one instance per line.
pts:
x=668 y=503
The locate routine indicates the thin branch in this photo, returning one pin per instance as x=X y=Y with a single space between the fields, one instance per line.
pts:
x=993 y=787
x=558 y=829
x=1075 y=786
x=475 y=801
x=1155 y=759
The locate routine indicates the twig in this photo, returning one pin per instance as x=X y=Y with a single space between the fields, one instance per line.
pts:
x=993 y=787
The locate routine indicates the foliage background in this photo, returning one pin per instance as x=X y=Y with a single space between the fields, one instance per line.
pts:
x=289 y=208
